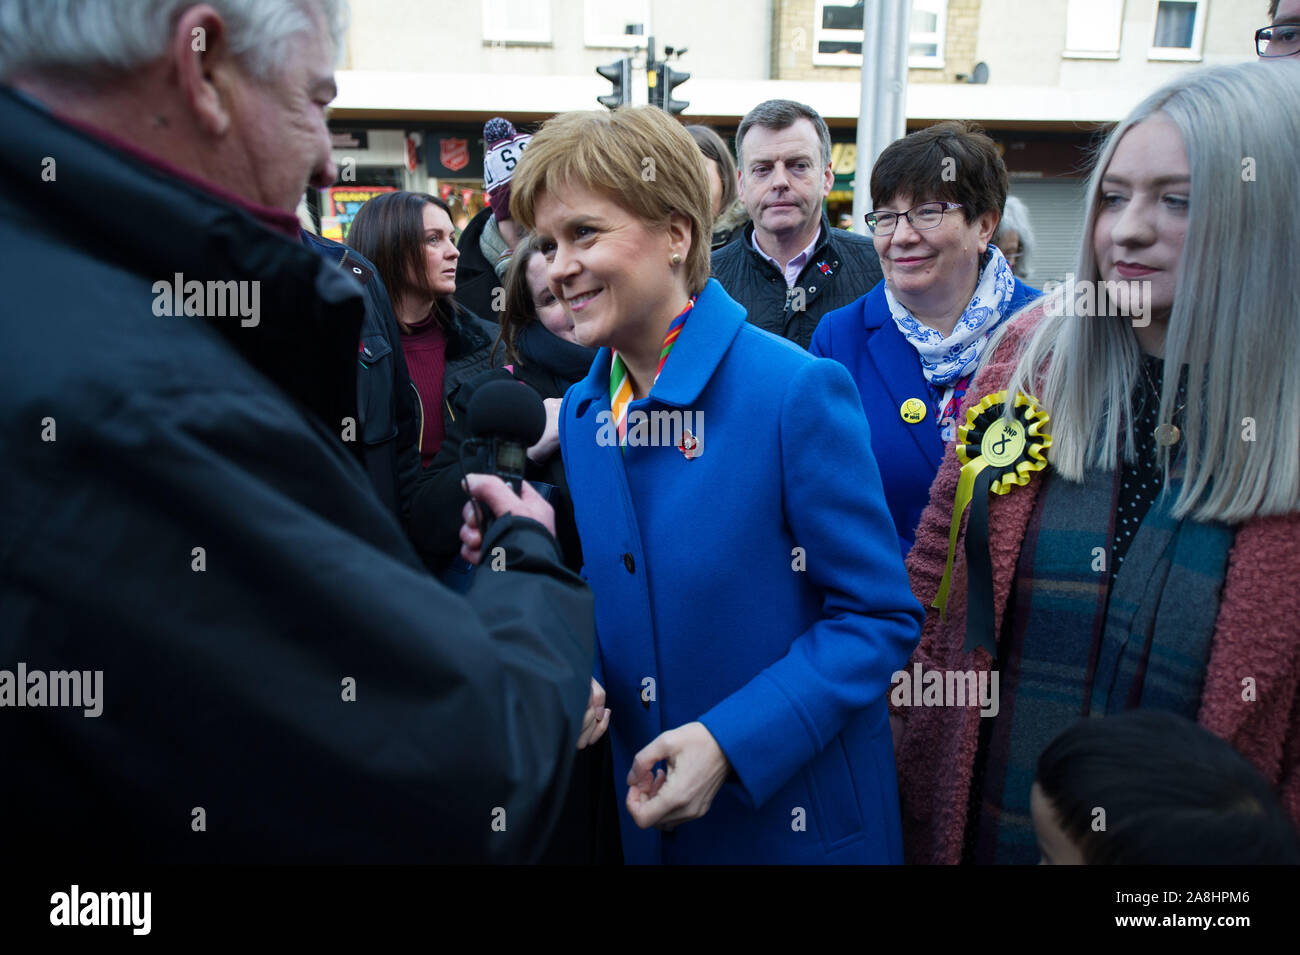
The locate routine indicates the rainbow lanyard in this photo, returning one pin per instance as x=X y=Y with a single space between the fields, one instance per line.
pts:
x=620 y=385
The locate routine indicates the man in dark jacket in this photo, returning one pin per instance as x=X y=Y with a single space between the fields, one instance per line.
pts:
x=789 y=267
x=276 y=677
x=388 y=406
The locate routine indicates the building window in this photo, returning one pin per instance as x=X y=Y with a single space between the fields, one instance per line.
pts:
x=925 y=49
x=608 y=22
x=1092 y=29
x=837 y=34
x=516 y=21
x=1179 y=31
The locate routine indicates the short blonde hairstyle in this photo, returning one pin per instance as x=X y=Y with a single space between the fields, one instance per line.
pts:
x=636 y=156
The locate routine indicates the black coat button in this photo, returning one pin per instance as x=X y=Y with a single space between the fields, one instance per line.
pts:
x=629 y=563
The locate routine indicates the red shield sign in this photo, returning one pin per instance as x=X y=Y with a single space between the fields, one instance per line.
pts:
x=454 y=153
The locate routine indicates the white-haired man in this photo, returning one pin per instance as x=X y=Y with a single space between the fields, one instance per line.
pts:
x=185 y=526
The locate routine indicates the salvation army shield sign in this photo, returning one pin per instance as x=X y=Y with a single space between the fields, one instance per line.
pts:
x=454 y=153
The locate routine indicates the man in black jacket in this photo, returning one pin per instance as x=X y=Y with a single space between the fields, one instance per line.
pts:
x=184 y=522
x=388 y=406
x=789 y=267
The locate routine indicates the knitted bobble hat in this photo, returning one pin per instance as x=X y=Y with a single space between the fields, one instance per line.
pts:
x=505 y=147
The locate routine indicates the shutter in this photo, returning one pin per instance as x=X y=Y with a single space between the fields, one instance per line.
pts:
x=1056 y=213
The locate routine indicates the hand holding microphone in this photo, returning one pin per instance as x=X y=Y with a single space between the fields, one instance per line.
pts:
x=498 y=496
x=506 y=418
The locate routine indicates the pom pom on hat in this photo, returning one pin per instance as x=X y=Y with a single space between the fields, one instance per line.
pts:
x=505 y=147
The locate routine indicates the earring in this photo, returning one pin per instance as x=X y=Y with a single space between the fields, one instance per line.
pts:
x=676 y=259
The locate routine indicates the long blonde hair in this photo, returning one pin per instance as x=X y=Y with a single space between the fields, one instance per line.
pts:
x=1235 y=323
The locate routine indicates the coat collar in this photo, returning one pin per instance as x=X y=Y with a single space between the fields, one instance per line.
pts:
x=712 y=326
x=566 y=360
x=875 y=309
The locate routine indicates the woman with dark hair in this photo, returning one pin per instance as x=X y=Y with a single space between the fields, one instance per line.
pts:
x=409 y=238
x=1170 y=793
x=913 y=342
x=729 y=215
x=536 y=345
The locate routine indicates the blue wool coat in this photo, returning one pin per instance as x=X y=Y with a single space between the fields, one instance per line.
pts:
x=864 y=339
x=756 y=588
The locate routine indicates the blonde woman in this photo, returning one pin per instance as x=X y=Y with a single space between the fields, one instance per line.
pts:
x=1141 y=548
x=751 y=603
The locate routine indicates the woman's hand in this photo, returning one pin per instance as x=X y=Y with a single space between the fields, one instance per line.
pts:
x=550 y=440
x=596 y=719
x=498 y=495
x=697 y=768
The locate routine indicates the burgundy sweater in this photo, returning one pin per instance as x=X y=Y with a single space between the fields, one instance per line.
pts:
x=1257 y=635
x=425 y=351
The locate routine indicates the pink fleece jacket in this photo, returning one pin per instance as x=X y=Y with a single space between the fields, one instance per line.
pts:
x=1256 y=637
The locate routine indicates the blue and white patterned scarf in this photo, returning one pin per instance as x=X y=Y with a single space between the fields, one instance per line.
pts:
x=945 y=360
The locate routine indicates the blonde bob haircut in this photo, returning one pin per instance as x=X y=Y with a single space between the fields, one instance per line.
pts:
x=636 y=156
x=1234 y=329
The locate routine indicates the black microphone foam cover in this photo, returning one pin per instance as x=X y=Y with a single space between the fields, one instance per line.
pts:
x=507 y=409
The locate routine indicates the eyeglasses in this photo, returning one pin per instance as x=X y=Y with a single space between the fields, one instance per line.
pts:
x=1280 y=40
x=925 y=216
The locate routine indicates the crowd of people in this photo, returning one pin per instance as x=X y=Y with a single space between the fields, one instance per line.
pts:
x=835 y=547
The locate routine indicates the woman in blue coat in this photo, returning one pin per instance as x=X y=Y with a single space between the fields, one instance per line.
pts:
x=913 y=342
x=751 y=605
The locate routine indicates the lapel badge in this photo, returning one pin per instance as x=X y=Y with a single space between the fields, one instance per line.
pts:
x=913 y=411
x=691 y=446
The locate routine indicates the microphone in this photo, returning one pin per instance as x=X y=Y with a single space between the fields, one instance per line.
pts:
x=507 y=418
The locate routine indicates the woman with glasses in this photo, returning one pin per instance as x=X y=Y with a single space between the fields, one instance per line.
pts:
x=913 y=342
x=1141 y=549
x=1282 y=37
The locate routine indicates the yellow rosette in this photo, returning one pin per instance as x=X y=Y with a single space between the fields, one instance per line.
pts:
x=997 y=454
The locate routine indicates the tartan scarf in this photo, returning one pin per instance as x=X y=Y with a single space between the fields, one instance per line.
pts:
x=620 y=383
x=1075 y=644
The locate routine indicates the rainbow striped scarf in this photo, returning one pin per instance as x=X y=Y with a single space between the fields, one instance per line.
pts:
x=620 y=385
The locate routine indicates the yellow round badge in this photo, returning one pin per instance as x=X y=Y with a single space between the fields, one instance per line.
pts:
x=913 y=410
x=1003 y=442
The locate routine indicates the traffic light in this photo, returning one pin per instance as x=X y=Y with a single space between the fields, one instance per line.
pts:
x=620 y=74
x=663 y=80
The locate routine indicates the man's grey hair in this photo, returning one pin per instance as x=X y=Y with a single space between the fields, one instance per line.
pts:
x=781 y=114
x=97 y=37
x=1015 y=218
